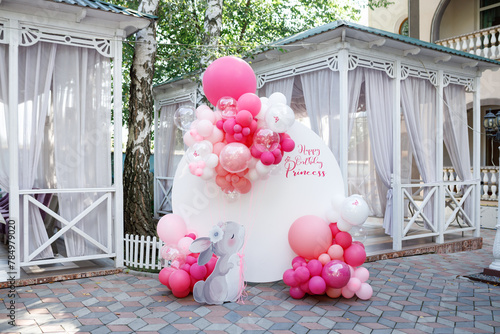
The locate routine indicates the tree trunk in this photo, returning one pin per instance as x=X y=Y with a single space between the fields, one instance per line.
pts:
x=212 y=25
x=138 y=216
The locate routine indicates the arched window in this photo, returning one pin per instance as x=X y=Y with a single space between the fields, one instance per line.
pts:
x=404 y=28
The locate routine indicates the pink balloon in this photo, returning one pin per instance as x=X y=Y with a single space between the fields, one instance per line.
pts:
x=298 y=260
x=289 y=278
x=181 y=294
x=355 y=255
x=365 y=292
x=164 y=275
x=317 y=285
x=171 y=228
x=315 y=267
x=346 y=293
x=362 y=274
x=302 y=274
x=324 y=258
x=244 y=118
x=267 y=158
x=309 y=236
x=354 y=284
x=204 y=128
x=336 y=252
x=296 y=292
x=190 y=259
x=198 y=272
x=333 y=293
x=336 y=274
x=250 y=102
x=343 y=239
x=183 y=245
x=235 y=157
x=179 y=280
x=228 y=76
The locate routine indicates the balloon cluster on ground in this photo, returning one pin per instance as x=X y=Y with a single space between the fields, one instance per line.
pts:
x=238 y=142
x=329 y=261
x=181 y=270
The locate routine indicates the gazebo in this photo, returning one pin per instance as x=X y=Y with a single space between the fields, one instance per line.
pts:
x=391 y=108
x=60 y=80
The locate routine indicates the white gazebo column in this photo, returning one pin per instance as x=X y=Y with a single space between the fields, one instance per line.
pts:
x=397 y=193
x=156 y=117
x=476 y=155
x=14 y=145
x=343 y=58
x=118 y=178
x=439 y=159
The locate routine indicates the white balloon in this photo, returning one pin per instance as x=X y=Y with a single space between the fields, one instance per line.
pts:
x=277 y=97
x=208 y=174
x=343 y=225
x=212 y=161
x=204 y=112
x=205 y=128
x=216 y=136
x=332 y=216
x=280 y=117
x=188 y=139
x=199 y=151
x=262 y=169
x=355 y=210
x=253 y=175
x=337 y=201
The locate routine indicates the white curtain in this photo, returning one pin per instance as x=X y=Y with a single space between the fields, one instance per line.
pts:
x=321 y=96
x=166 y=142
x=36 y=64
x=4 y=119
x=456 y=137
x=284 y=86
x=418 y=98
x=82 y=106
x=379 y=108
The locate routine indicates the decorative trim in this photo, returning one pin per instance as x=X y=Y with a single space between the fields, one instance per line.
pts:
x=376 y=64
x=416 y=72
x=31 y=35
x=468 y=83
x=187 y=97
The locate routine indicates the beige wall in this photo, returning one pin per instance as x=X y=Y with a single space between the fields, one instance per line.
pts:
x=460 y=17
x=427 y=10
x=390 y=18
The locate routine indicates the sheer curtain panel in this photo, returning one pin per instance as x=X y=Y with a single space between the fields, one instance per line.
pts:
x=284 y=86
x=82 y=141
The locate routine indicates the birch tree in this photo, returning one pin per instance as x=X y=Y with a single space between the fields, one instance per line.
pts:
x=136 y=177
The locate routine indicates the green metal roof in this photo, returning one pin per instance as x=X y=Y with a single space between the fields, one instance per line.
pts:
x=413 y=41
x=101 y=5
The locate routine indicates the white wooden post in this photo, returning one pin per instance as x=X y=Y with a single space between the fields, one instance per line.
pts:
x=344 y=115
x=14 y=216
x=118 y=179
x=397 y=208
x=476 y=141
x=156 y=117
x=439 y=159
x=495 y=265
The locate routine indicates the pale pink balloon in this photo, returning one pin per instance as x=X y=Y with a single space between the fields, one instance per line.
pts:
x=336 y=252
x=324 y=258
x=346 y=293
x=171 y=228
x=362 y=274
x=333 y=293
x=228 y=76
x=188 y=139
x=354 y=284
x=205 y=128
x=216 y=136
x=365 y=292
x=204 y=112
x=183 y=245
x=234 y=157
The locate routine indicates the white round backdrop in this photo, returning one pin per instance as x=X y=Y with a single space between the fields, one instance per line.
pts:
x=304 y=183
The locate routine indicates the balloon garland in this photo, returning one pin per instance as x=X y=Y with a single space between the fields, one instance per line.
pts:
x=238 y=142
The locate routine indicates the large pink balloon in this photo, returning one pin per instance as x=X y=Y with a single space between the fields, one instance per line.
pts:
x=309 y=236
x=171 y=228
x=228 y=76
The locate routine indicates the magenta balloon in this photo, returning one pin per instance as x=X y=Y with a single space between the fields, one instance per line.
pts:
x=317 y=285
x=336 y=274
x=228 y=76
x=355 y=255
x=179 y=280
x=302 y=274
x=315 y=267
x=289 y=278
x=296 y=292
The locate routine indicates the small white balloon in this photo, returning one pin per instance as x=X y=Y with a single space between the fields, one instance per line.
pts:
x=277 y=97
x=262 y=169
x=208 y=174
x=332 y=216
x=253 y=175
x=355 y=210
x=199 y=151
x=212 y=161
x=343 y=225
x=280 y=117
x=205 y=128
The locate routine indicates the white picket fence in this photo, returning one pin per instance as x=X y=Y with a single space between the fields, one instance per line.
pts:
x=142 y=252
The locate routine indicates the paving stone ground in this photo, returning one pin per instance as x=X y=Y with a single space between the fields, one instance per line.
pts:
x=418 y=294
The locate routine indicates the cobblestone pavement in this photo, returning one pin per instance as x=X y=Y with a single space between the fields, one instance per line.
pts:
x=418 y=294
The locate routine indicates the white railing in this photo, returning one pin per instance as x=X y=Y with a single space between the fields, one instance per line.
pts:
x=163 y=195
x=484 y=42
x=105 y=247
x=489 y=182
x=142 y=252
